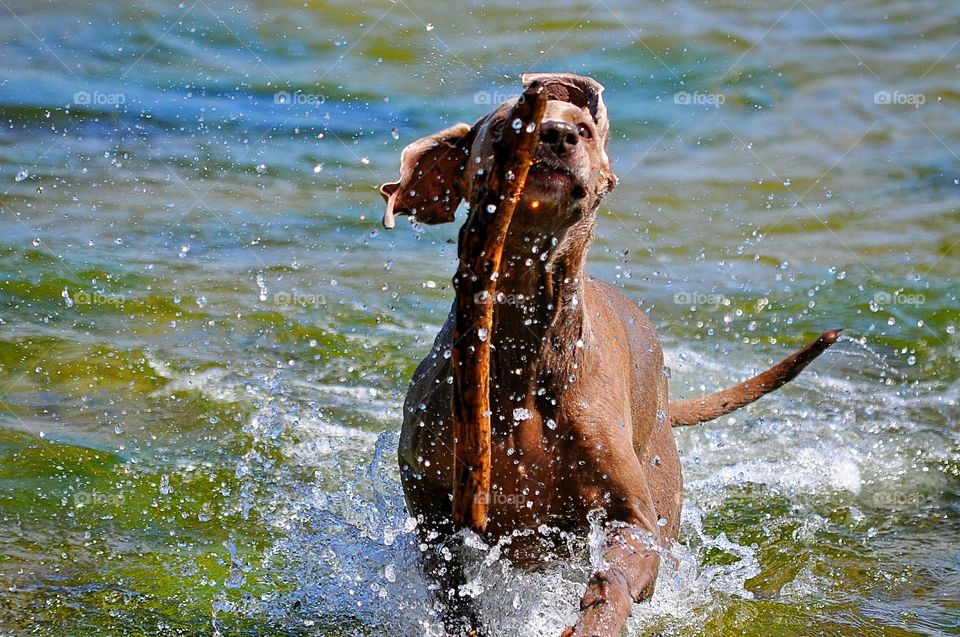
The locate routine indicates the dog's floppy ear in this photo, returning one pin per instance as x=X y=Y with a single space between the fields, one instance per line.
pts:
x=431 y=177
x=580 y=91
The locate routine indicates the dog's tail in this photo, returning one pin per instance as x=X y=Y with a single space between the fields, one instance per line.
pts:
x=698 y=410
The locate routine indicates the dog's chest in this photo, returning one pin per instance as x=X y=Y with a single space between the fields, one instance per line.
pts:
x=524 y=465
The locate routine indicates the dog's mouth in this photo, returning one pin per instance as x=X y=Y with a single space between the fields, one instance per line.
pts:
x=550 y=172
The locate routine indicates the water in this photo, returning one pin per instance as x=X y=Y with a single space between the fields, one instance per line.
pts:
x=206 y=335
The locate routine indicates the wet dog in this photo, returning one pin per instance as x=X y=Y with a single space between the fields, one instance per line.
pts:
x=581 y=419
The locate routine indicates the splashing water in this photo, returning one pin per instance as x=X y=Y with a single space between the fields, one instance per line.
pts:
x=348 y=553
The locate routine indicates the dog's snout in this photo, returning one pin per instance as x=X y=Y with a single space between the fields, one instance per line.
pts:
x=561 y=137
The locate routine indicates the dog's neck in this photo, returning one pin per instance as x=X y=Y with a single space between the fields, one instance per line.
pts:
x=539 y=317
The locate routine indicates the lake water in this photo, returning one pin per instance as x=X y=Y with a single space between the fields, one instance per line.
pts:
x=206 y=336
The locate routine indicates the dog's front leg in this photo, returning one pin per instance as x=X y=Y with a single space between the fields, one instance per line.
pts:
x=442 y=565
x=628 y=576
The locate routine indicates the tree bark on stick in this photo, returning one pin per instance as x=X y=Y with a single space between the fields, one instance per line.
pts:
x=480 y=249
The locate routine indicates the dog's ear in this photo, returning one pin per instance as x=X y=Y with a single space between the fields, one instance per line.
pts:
x=431 y=177
x=580 y=91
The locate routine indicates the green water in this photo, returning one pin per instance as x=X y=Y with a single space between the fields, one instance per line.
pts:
x=205 y=335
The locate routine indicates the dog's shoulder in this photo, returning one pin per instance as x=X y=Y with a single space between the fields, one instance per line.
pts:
x=625 y=309
x=640 y=336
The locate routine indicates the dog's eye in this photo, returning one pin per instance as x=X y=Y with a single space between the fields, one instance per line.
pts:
x=584 y=131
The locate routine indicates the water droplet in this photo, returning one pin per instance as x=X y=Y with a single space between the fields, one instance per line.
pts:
x=317 y=168
x=522 y=414
x=261 y=169
x=263 y=288
x=394 y=133
x=36 y=242
x=66 y=297
x=429 y=26
x=482 y=333
x=23 y=174
x=551 y=423
x=491 y=208
x=165 y=488
x=517 y=124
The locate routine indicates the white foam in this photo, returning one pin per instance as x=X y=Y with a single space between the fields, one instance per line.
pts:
x=808 y=471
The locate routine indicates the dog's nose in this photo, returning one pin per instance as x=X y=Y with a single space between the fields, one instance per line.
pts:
x=561 y=137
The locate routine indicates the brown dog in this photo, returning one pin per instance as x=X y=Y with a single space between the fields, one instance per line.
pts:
x=578 y=390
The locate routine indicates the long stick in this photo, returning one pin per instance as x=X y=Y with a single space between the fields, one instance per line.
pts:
x=481 y=246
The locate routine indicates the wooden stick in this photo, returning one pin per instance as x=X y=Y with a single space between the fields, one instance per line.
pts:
x=481 y=247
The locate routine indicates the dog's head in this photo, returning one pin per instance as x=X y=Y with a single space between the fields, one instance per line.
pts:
x=569 y=176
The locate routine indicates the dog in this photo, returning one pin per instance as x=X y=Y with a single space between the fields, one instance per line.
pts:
x=581 y=419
